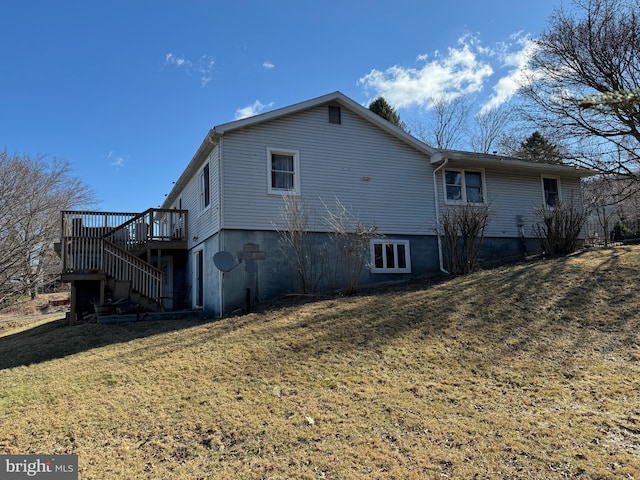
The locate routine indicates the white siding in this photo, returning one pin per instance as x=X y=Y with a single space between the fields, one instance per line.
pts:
x=377 y=177
x=203 y=223
x=511 y=193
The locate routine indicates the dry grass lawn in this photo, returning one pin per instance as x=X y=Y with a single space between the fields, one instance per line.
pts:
x=528 y=371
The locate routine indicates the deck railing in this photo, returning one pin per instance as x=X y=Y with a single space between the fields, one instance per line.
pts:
x=105 y=242
x=129 y=231
x=97 y=255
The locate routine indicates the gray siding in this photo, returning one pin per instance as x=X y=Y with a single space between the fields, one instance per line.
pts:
x=511 y=193
x=380 y=179
x=203 y=223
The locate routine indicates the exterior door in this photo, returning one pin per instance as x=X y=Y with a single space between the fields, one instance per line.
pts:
x=199 y=280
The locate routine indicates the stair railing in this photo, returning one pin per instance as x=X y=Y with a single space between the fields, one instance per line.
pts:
x=97 y=255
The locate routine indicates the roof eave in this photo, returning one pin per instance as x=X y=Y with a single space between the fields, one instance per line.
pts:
x=502 y=161
x=206 y=147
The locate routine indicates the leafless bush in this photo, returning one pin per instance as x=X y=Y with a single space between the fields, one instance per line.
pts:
x=310 y=259
x=559 y=228
x=462 y=232
x=295 y=235
x=351 y=238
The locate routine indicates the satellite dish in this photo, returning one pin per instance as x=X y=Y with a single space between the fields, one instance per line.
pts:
x=224 y=261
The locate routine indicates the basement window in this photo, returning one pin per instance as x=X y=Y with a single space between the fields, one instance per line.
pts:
x=390 y=256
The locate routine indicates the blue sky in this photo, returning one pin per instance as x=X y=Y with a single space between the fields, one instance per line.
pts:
x=126 y=91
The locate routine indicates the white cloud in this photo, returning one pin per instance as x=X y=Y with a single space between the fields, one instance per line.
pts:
x=460 y=72
x=519 y=74
x=268 y=65
x=114 y=160
x=202 y=67
x=251 y=110
x=171 y=59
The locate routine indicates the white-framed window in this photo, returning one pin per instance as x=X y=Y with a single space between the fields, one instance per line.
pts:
x=283 y=171
x=390 y=256
x=550 y=191
x=464 y=186
x=205 y=188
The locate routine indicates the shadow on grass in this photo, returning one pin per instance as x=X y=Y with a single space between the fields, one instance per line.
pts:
x=513 y=308
x=57 y=339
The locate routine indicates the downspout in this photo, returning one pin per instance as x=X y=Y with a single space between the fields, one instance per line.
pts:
x=435 y=195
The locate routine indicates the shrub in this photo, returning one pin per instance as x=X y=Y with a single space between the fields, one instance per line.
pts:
x=559 y=228
x=462 y=230
x=349 y=246
x=350 y=237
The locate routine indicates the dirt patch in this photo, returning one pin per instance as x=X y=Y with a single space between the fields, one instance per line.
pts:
x=44 y=304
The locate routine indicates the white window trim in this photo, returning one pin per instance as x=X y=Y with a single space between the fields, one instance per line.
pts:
x=544 y=196
x=464 y=186
x=396 y=269
x=296 y=171
x=204 y=207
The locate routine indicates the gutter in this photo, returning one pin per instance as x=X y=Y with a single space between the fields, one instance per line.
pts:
x=435 y=195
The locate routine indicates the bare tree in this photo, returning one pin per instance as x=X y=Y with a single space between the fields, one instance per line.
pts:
x=600 y=206
x=33 y=191
x=593 y=49
x=448 y=124
x=490 y=126
x=611 y=201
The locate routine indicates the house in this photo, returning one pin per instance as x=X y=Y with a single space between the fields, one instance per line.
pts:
x=326 y=153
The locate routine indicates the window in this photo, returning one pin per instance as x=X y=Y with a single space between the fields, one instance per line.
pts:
x=551 y=191
x=463 y=186
x=334 y=114
x=390 y=256
x=205 y=188
x=283 y=170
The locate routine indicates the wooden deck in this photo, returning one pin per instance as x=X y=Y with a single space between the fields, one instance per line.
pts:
x=98 y=246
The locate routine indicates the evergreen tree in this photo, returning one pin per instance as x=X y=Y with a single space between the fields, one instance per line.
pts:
x=382 y=108
x=538 y=149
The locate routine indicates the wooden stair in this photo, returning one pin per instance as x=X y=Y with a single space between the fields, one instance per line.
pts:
x=107 y=247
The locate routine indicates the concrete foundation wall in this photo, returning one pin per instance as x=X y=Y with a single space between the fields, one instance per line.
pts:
x=267 y=268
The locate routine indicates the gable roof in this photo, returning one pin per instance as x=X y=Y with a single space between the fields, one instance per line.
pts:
x=214 y=135
x=331 y=98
